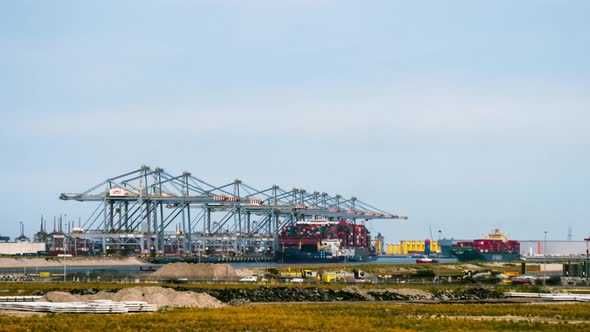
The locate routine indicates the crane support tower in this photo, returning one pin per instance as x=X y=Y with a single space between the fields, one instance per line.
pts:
x=140 y=208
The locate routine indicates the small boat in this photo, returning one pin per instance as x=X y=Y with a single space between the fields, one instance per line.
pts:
x=425 y=260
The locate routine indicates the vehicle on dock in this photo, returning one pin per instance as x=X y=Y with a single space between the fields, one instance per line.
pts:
x=249 y=279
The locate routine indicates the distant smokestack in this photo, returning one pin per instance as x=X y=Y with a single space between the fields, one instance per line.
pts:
x=54 y=223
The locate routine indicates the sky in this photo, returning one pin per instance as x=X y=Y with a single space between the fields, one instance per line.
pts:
x=464 y=116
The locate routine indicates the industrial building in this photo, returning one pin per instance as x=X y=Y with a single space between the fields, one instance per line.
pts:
x=531 y=248
x=535 y=248
x=21 y=248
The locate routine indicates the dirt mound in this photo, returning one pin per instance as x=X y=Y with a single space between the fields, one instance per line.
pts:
x=163 y=297
x=193 y=271
x=167 y=297
x=60 y=297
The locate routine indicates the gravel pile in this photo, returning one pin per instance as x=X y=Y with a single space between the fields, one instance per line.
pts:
x=163 y=297
x=194 y=271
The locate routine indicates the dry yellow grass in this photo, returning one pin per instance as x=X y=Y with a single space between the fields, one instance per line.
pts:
x=323 y=317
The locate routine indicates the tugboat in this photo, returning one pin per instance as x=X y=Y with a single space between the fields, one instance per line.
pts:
x=426 y=259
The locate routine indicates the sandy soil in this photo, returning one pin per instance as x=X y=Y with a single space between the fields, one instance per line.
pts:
x=9 y=262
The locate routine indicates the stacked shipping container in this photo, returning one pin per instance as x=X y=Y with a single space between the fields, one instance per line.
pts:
x=491 y=246
x=350 y=235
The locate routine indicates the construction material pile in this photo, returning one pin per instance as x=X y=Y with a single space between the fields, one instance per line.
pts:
x=19 y=298
x=193 y=271
x=162 y=297
x=90 y=307
x=551 y=297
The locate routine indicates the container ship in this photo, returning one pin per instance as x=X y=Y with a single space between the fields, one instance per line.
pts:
x=492 y=247
x=324 y=241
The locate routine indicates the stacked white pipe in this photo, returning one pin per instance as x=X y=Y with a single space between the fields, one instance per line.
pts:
x=19 y=298
x=94 y=306
x=551 y=297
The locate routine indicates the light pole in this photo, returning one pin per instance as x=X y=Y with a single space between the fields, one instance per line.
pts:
x=20 y=245
x=439 y=247
x=587 y=254
x=439 y=255
x=65 y=257
x=22 y=238
x=545 y=259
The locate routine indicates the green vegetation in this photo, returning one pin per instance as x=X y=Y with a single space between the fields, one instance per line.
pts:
x=317 y=317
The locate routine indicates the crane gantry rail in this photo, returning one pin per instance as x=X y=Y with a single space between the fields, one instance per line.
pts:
x=147 y=201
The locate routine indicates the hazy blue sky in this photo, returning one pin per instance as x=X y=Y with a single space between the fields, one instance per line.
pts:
x=463 y=115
